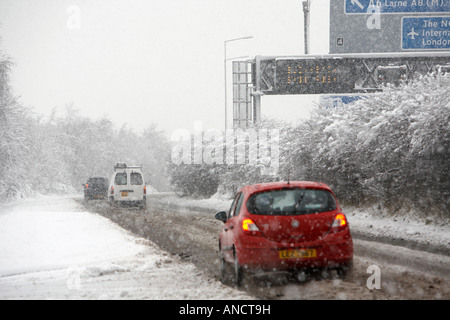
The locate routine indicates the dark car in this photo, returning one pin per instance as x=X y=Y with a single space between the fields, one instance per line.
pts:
x=285 y=226
x=96 y=188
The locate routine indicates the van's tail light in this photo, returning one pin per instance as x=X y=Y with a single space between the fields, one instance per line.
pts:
x=145 y=190
x=250 y=227
x=339 y=222
x=112 y=189
x=87 y=185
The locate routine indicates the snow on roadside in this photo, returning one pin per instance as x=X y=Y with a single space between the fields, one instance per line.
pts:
x=211 y=205
x=375 y=224
x=51 y=249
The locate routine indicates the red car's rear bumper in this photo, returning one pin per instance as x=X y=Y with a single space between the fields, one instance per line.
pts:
x=334 y=250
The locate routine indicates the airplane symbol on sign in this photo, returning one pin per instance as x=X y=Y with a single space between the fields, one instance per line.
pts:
x=412 y=34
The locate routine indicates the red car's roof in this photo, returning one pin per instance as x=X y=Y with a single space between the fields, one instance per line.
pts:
x=284 y=184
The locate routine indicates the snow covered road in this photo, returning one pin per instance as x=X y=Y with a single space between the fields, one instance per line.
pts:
x=62 y=248
x=187 y=228
x=51 y=249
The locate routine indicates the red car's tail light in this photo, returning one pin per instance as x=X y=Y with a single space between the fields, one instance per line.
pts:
x=339 y=222
x=250 y=227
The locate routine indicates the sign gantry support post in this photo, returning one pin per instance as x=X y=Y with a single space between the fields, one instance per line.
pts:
x=257 y=93
x=225 y=59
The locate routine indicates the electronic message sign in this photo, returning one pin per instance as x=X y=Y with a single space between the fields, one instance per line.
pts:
x=335 y=74
x=328 y=74
x=312 y=76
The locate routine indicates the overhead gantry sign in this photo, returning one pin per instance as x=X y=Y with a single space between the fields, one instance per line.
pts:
x=334 y=74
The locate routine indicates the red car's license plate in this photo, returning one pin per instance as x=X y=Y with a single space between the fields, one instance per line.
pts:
x=297 y=253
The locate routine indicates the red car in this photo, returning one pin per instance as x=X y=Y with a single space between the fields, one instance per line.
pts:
x=284 y=226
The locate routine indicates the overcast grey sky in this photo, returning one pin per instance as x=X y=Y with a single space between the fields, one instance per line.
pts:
x=150 y=61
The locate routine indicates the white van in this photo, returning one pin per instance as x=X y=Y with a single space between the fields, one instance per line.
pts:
x=127 y=186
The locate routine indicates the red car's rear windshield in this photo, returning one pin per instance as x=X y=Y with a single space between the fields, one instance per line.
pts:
x=291 y=202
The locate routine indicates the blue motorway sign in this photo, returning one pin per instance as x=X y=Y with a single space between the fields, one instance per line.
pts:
x=397 y=6
x=426 y=33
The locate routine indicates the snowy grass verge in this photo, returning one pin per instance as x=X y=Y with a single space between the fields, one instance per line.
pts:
x=51 y=249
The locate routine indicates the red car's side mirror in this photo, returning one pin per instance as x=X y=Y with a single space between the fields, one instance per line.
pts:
x=222 y=216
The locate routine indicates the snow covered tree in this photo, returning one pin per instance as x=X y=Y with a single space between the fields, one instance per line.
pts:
x=13 y=138
x=390 y=148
